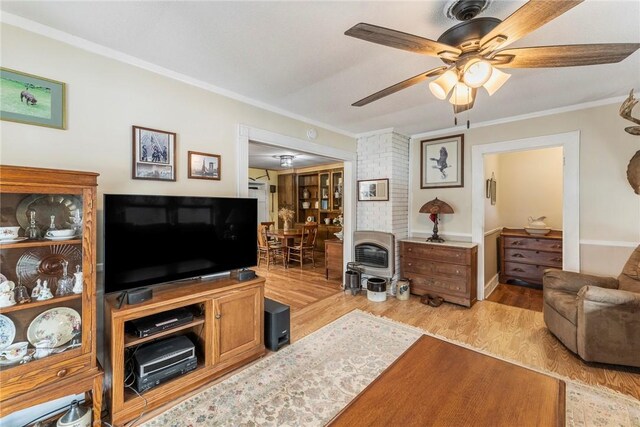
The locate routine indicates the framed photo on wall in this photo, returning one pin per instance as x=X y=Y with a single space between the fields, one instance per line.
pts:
x=442 y=162
x=204 y=165
x=372 y=190
x=154 y=154
x=32 y=100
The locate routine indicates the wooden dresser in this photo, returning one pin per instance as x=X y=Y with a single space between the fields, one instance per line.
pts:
x=525 y=257
x=448 y=269
x=333 y=258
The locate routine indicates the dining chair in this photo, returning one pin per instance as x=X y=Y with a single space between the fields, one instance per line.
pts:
x=305 y=247
x=270 y=225
x=269 y=251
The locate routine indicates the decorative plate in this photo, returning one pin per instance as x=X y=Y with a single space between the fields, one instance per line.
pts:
x=61 y=238
x=58 y=324
x=7 y=332
x=5 y=362
x=17 y=239
x=45 y=263
x=63 y=206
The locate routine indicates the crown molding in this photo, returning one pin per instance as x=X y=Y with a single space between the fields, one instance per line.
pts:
x=80 y=43
x=542 y=113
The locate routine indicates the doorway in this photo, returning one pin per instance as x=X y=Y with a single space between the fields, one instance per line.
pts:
x=247 y=134
x=570 y=195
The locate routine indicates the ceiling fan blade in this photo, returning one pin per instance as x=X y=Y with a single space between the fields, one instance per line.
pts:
x=400 y=40
x=564 y=56
x=528 y=18
x=399 y=86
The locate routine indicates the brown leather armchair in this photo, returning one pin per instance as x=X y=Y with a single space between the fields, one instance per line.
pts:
x=596 y=317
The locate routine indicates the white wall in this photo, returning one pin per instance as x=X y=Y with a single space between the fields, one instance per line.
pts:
x=609 y=209
x=104 y=99
x=530 y=185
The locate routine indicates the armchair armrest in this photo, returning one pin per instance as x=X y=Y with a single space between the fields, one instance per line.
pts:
x=614 y=297
x=568 y=281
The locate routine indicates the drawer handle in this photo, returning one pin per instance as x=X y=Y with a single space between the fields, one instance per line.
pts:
x=517 y=255
x=518 y=269
x=556 y=259
x=61 y=373
x=556 y=246
x=409 y=264
x=409 y=249
x=218 y=315
x=516 y=243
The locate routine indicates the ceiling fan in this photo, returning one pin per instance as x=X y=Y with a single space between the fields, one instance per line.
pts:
x=474 y=50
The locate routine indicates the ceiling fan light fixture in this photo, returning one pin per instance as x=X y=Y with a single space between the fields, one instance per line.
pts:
x=462 y=94
x=477 y=72
x=441 y=86
x=495 y=82
x=286 y=161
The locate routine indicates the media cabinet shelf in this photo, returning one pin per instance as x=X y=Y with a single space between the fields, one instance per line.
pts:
x=131 y=340
x=229 y=334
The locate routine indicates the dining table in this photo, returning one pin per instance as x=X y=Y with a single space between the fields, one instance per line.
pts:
x=285 y=236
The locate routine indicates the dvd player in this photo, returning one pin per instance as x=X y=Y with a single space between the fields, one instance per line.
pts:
x=159 y=377
x=149 y=325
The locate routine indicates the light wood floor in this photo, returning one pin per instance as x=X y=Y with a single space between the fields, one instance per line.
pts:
x=510 y=333
x=517 y=296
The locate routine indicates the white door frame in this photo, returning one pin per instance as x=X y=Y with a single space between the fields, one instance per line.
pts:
x=570 y=143
x=247 y=133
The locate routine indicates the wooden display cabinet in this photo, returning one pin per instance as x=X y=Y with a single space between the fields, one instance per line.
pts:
x=228 y=332
x=308 y=201
x=71 y=366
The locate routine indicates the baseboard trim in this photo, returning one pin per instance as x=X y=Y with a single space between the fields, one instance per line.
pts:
x=491 y=286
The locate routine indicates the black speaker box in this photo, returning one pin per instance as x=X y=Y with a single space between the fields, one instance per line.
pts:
x=137 y=296
x=277 y=331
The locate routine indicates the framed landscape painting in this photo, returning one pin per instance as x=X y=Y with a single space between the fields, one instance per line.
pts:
x=153 y=154
x=442 y=162
x=33 y=100
x=204 y=166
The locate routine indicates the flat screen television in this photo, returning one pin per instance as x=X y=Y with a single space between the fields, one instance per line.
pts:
x=150 y=240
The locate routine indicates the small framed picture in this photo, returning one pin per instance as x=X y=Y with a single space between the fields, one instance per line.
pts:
x=204 y=165
x=32 y=100
x=154 y=154
x=442 y=162
x=373 y=190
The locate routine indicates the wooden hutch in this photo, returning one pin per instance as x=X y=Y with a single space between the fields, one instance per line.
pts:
x=33 y=198
x=316 y=193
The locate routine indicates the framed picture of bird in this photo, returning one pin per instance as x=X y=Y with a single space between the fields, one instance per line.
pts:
x=442 y=162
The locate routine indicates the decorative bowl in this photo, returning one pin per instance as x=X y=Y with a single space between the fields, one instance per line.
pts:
x=60 y=233
x=306 y=205
x=538 y=230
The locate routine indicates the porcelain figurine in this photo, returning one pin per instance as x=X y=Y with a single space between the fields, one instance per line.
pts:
x=45 y=293
x=77 y=285
x=35 y=292
x=7 y=297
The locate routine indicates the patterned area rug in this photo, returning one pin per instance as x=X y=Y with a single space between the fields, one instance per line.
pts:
x=310 y=381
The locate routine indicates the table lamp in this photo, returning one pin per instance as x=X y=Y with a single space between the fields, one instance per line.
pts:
x=434 y=208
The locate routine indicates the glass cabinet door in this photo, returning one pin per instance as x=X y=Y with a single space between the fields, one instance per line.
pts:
x=41 y=279
x=336 y=194
x=325 y=189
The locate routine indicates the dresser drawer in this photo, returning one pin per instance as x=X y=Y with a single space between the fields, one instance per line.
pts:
x=422 y=284
x=435 y=253
x=550 y=245
x=529 y=272
x=550 y=259
x=31 y=377
x=430 y=268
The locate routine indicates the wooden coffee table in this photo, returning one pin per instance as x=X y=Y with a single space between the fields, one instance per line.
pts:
x=438 y=383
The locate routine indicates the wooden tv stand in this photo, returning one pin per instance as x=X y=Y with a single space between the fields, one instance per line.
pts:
x=227 y=334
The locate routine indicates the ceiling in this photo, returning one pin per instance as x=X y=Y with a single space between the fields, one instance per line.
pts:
x=293 y=55
x=263 y=156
